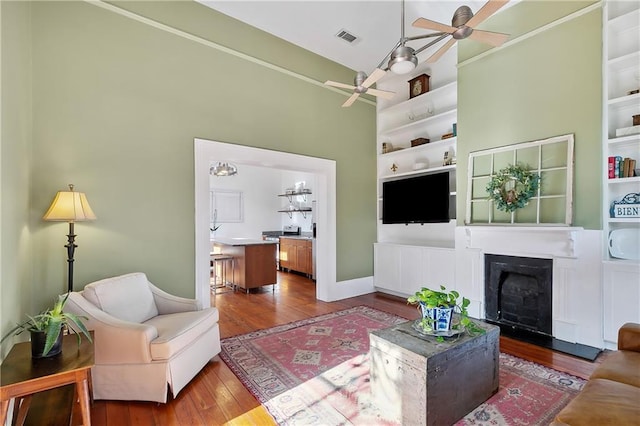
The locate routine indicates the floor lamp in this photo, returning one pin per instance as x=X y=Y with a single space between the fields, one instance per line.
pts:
x=70 y=206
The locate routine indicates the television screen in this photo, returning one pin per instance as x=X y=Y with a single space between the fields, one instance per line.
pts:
x=421 y=199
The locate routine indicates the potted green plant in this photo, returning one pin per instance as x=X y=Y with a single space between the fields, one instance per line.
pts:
x=437 y=308
x=46 y=329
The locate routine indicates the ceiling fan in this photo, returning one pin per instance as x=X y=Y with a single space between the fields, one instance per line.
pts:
x=402 y=59
x=463 y=25
x=361 y=84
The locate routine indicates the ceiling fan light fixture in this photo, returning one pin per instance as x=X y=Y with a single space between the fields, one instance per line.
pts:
x=403 y=60
x=223 y=169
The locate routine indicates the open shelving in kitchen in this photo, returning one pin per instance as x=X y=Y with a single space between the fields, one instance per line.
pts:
x=302 y=210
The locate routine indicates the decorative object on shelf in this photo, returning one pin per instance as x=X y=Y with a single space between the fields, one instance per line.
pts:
x=636 y=119
x=419 y=141
x=46 y=329
x=455 y=129
x=70 y=206
x=437 y=308
x=448 y=158
x=627 y=131
x=386 y=147
x=463 y=25
x=361 y=85
x=628 y=206
x=447 y=135
x=394 y=167
x=223 y=169
x=418 y=85
x=624 y=243
x=512 y=187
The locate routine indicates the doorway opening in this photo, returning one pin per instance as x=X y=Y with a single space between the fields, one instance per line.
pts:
x=207 y=151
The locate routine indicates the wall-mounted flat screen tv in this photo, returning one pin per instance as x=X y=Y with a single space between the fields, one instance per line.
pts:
x=421 y=199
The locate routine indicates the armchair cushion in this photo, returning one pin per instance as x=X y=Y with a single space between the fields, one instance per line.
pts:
x=127 y=297
x=176 y=331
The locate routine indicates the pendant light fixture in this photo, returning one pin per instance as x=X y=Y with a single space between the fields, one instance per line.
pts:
x=223 y=169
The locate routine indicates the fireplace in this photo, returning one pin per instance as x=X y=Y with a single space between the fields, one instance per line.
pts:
x=518 y=292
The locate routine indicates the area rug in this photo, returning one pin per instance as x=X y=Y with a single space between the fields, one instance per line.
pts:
x=316 y=372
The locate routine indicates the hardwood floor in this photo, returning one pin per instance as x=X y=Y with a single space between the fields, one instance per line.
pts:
x=216 y=396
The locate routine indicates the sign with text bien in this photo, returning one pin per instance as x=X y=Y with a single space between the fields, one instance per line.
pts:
x=628 y=207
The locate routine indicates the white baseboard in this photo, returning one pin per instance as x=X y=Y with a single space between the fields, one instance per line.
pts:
x=351 y=288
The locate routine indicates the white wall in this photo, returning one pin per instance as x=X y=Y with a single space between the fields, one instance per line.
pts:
x=260 y=187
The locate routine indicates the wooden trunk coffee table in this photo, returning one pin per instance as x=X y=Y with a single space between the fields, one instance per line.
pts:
x=416 y=380
x=21 y=376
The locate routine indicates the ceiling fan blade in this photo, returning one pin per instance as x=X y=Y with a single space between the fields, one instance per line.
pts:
x=381 y=93
x=376 y=75
x=488 y=37
x=428 y=24
x=441 y=51
x=351 y=100
x=340 y=85
x=485 y=11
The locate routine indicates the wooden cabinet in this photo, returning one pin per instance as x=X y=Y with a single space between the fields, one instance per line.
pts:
x=296 y=255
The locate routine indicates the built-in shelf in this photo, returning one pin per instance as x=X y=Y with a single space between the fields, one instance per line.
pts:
x=419 y=172
x=449 y=115
x=616 y=181
x=625 y=101
x=624 y=140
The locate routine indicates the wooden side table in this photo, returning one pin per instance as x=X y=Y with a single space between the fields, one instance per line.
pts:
x=21 y=376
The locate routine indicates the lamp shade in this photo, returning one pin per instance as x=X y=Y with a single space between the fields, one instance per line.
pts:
x=69 y=206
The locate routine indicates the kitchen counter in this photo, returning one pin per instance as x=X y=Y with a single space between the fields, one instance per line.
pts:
x=240 y=241
x=254 y=261
x=297 y=237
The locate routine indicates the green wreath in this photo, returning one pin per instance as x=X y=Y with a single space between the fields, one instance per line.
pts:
x=512 y=187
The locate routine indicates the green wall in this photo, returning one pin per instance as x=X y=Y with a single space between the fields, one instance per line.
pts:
x=547 y=85
x=15 y=169
x=116 y=107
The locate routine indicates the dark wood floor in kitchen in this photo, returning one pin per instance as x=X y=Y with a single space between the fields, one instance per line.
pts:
x=217 y=397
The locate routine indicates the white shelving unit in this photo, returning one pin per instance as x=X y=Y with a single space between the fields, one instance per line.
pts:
x=621 y=73
x=409 y=256
x=621 y=70
x=430 y=115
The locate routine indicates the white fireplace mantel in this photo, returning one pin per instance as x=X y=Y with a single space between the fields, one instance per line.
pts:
x=532 y=241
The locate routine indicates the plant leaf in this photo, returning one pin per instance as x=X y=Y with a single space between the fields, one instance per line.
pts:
x=53 y=331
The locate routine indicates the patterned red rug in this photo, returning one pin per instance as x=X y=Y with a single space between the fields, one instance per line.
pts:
x=316 y=371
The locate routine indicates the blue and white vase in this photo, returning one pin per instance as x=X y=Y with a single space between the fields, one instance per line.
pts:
x=438 y=318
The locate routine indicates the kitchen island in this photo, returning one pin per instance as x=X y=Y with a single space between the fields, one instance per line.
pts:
x=254 y=261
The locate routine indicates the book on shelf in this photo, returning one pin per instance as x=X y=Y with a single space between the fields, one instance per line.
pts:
x=618 y=167
x=612 y=167
x=625 y=167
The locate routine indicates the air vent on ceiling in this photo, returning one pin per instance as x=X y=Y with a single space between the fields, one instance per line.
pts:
x=347 y=36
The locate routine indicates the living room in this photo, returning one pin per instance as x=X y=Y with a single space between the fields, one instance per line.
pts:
x=110 y=97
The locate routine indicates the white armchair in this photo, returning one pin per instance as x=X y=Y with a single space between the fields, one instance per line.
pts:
x=145 y=338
